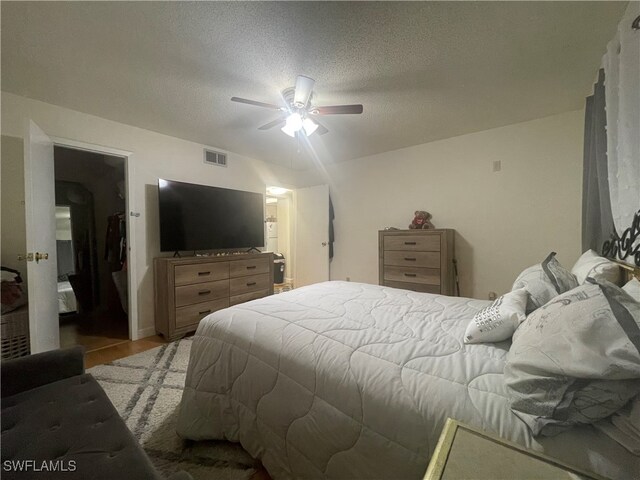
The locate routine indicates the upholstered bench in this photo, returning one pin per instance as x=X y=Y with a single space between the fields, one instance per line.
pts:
x=56 y=418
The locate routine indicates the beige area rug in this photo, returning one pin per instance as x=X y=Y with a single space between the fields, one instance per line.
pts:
x=146 y=389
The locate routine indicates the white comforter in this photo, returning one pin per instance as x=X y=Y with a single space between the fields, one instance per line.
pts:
x=347 y=380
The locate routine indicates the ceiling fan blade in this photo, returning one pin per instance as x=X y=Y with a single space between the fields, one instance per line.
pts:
x=257 y=104
x=275 y=123
x=304 y=87
x=337 y=110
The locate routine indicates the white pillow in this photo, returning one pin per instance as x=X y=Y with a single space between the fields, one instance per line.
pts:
x=590 y=264
x=499 y=320
x=632 y=287
x=576 y=360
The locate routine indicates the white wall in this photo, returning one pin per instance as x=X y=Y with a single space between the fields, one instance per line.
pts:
x=13 y=241
x=154 y=156
x=505 y=221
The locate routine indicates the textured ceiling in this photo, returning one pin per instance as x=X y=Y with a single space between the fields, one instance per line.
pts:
x=423 y=71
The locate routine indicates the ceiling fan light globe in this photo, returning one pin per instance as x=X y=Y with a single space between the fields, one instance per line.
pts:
x=309 y=126
x=294 y=122
x=289 y=131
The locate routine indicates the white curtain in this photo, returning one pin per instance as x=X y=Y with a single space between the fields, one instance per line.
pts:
x=622 y=91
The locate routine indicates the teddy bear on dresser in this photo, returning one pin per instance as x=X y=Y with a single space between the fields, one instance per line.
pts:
x=421 y=220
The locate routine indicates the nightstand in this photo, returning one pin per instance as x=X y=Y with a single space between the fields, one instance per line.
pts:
x=464 y=452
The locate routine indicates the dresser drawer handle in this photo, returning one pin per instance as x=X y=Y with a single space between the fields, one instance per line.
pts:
x=251 y=284
x=204 y=313
x=410 y=275
x=251 y=267
x=204 y=292
x=409 y=243
x=409 y=259
x=202 y=274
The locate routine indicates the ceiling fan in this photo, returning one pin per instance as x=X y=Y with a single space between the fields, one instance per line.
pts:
x=299 y=114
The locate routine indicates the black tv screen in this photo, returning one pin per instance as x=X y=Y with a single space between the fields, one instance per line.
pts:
x=197 y=217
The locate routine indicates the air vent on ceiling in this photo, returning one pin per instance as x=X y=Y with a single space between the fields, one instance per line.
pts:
x=215 y=158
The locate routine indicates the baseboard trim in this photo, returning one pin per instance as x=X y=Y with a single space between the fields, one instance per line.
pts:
x=146 y=332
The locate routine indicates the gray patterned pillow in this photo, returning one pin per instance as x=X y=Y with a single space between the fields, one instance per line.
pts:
x=544 y=281
x=576 y=360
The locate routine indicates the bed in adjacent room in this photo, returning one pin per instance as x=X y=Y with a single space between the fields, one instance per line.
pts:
x=348 y=380
x=66 y=298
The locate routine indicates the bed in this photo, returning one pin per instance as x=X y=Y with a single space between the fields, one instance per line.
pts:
x=66 y=298
x=349 y=380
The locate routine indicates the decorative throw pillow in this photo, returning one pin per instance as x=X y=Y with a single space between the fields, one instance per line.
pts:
x=498 y=321
x=632 y=287
x=590 y=264
x=544 y=281
x=576 y=360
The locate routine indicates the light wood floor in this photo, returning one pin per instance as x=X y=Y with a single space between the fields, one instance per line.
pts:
x=94 y=330
x=121 y=350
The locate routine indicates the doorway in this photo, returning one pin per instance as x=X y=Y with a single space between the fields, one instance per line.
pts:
x=278 y=232
x=312 y=221
x=91 y=247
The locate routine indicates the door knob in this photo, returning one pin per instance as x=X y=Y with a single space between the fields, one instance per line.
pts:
x=324 y=244
x=41 y=256
x=30 y=257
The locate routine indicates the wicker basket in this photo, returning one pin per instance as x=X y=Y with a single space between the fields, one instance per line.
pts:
x=14 y=333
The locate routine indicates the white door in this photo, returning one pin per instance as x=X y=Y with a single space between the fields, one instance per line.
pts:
x=39 y=204
x=312 y=235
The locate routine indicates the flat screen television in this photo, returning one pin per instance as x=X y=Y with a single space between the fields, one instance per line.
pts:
x=197 y=217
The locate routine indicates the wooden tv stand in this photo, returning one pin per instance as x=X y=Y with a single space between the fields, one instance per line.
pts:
x=188 y=289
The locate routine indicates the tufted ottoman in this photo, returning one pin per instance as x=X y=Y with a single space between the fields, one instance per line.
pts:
x=57 y=422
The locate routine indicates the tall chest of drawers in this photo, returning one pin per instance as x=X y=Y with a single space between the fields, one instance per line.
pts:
x=189 y=289
x=418 y=260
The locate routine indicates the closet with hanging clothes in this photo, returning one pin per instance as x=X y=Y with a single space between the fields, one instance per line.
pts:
x=116 y=255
